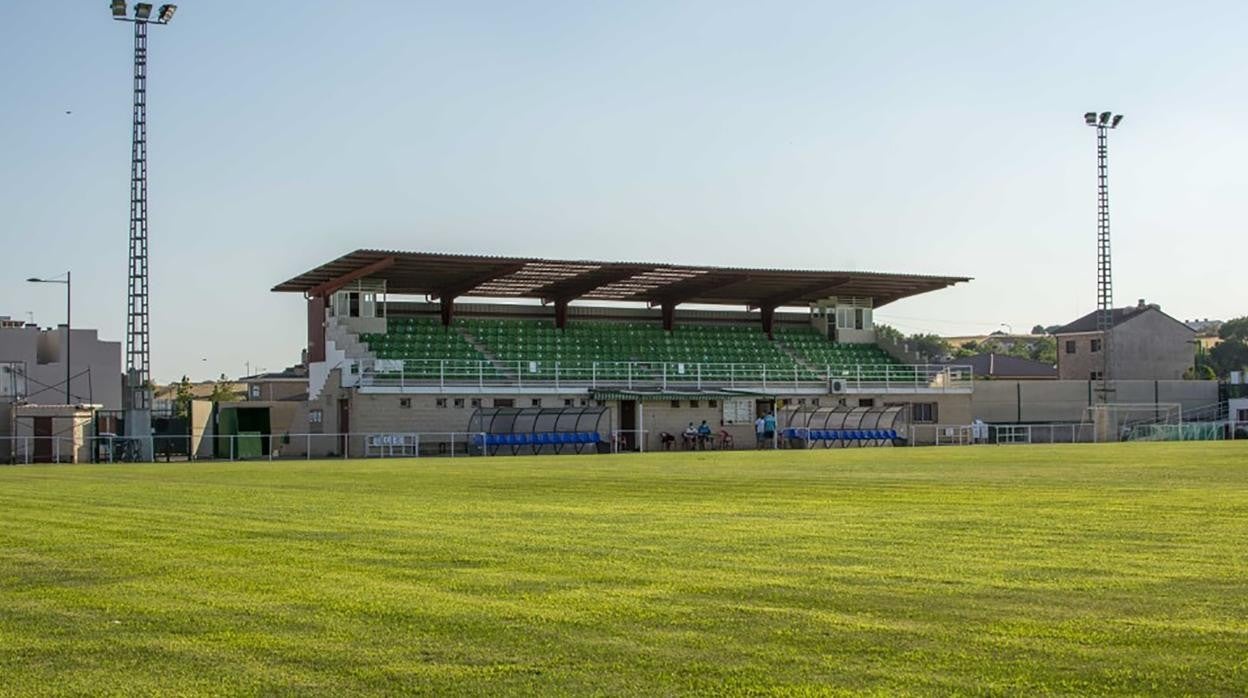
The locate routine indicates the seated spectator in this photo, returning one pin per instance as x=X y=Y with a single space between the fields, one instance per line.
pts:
x=668 y=440
x=704 y=435
x=690 y=437
x=725 y=439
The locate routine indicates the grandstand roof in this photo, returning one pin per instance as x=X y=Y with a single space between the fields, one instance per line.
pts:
x=550 y=280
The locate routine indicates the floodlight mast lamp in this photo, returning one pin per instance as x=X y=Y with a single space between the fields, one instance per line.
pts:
x=138 y=392
x=1103 y=122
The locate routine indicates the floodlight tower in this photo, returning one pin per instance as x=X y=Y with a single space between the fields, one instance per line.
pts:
x=138 y=391
x=1104 y=261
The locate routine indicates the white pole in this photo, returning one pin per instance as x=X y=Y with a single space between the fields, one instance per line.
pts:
x=641 y=427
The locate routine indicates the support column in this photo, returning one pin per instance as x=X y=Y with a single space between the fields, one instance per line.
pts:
x=316 y=328
x=561 y=314
x=448 y=309
x=669 y=316
x=769 y=316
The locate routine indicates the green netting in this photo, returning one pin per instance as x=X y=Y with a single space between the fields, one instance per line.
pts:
x=1194 y=431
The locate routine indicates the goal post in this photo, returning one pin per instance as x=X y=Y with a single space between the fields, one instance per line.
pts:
x=1115 y=421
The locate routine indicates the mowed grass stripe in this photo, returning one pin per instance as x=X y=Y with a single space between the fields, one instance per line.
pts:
x=1077 y=569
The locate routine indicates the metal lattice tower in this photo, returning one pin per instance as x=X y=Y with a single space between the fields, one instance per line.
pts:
x=138 y=389
x=1104 y=257
x=138 y=348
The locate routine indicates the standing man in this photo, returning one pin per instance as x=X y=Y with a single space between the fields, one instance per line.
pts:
x=769 y=427
x=760 y=428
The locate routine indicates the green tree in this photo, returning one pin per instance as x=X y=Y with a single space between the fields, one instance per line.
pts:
x=929 y=345
x=1045 y=350
x=1235 y=330
x=223 y=391
x=1038 y=329
x=182 y=398
x=889 y=332
x=1230 y=355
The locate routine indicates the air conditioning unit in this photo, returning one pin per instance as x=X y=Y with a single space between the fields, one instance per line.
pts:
x=836 y=385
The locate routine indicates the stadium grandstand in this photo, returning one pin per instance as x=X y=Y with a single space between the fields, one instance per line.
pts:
x=407 y=342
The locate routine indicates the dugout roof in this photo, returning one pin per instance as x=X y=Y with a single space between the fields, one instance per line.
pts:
x=448 y=276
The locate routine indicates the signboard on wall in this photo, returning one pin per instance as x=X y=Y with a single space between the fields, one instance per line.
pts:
x=739 y=411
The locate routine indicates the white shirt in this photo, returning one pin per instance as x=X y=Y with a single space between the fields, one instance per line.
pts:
x=760 y=425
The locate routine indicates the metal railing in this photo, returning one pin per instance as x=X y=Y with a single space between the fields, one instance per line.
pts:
x=40 y=449
x=446 y=374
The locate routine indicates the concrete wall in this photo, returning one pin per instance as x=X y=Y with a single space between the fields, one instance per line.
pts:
x=1067 y=401
x=277 y=389
x=68 y=442
x=102 y=386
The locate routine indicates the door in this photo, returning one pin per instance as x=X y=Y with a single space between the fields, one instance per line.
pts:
x=344 y=425
x=42 y=431
x=628 y=425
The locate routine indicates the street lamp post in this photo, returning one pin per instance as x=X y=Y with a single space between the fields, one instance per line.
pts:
x=68 y=326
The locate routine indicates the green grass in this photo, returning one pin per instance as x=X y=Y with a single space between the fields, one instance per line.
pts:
x=989 y=570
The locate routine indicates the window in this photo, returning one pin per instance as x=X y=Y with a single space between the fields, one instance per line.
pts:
x=568 y=402
x=814 y=401
x=405 y=403
x=255 y=392
x=499 y=402
x=923 y=412
x=693 y=404
x=1243 y=416
x=1070 y=346
x=1096 y=345
x=851 y=318
x=866 y=402
x=675 y=404
x=475 y=402
x=1095 y=375
x=712 y=403
x=584 y=402
x=315 y=416
x=440 y=402
x=801 y=401
x=459 y=402
x=536 y=402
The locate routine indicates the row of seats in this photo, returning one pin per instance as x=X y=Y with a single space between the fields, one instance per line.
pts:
x=539 y=346
x=536 y=349
x=541 y=438
x=841 y=434
x=865 y=361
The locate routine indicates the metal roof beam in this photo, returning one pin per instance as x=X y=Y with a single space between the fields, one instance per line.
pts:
x=796 y=294
x=685 y=289
x=577 y=286
x=327 y=287
x=466 y=284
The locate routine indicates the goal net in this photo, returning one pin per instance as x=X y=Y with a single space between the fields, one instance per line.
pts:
x=1118 y=421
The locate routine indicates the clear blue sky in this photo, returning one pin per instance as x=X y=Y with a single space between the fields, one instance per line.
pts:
x=920 y=137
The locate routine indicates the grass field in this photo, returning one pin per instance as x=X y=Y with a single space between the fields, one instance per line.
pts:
x=1076 y=570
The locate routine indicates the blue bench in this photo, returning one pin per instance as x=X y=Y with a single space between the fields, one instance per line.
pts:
x=827 y=435
x=538 y=439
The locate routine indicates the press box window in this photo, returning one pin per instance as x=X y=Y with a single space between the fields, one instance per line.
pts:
x=459 y=402
x=405 y=403
x=440 y=402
